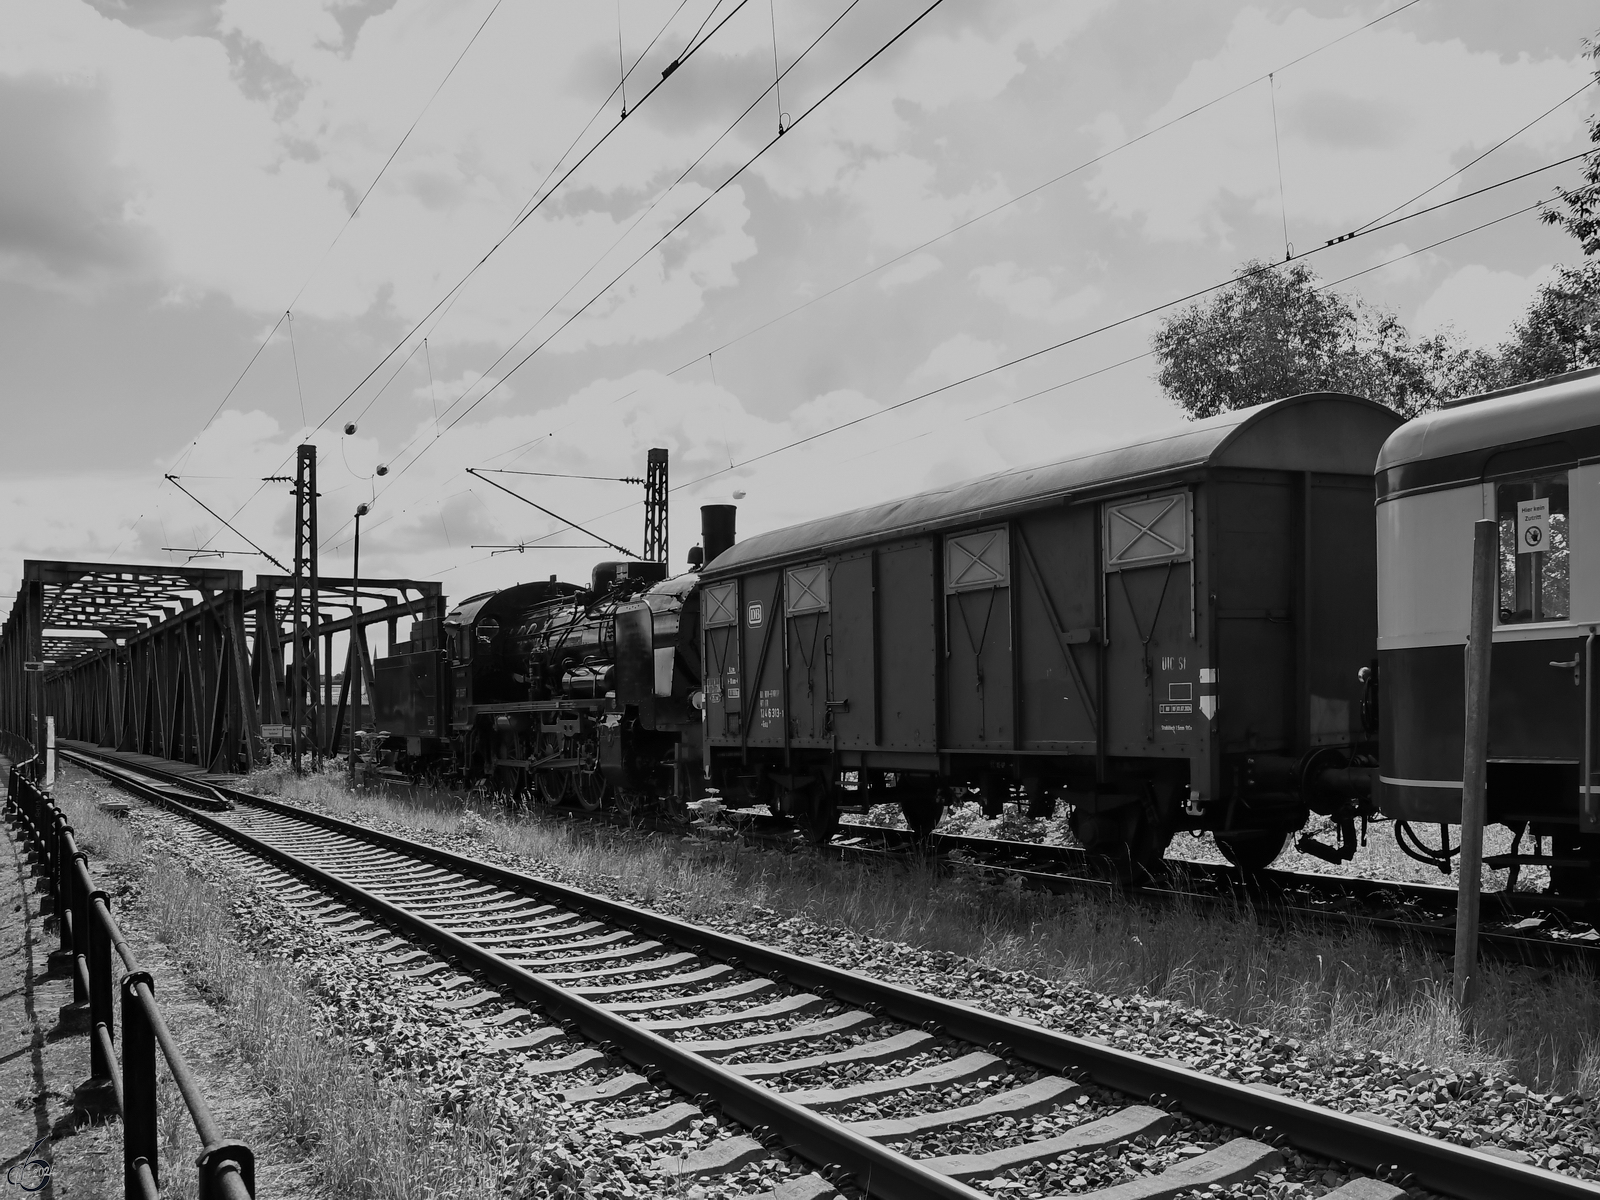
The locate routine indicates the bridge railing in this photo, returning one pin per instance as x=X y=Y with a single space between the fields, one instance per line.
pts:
x=90 y=945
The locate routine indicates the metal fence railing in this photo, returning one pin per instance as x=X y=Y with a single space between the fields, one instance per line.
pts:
x=89 y=935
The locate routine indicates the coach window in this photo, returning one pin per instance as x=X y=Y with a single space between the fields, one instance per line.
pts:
x=1533 y=549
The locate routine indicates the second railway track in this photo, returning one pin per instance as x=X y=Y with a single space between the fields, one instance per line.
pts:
x=622 y=1001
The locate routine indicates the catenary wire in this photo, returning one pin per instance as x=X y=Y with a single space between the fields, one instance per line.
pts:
x=682 y=221
x=541 y=195
x=902 y=32
x=638 y=219
x=1110 y=325
x=694 y=45
x=1371 y=229
x=173 y=480
x=346 y=225
x=1240 y=277
x=1011 y=201
x=517 y=224
x=1587 y=84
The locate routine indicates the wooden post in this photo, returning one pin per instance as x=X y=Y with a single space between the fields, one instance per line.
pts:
x=1475 y=751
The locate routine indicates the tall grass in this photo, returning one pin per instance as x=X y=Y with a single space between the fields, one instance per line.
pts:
x=1332 y=990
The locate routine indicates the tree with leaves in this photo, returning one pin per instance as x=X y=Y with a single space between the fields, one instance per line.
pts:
x=1275 y=332
x=1561 y=331
x=1578 y=210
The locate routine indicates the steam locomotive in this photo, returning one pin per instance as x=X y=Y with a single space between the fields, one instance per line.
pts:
x=1183 y=632
x=553 y=693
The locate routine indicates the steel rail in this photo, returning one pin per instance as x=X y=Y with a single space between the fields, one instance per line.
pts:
x=1440 y=1166
x=822 y=1141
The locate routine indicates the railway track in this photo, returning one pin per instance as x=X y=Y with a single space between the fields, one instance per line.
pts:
x=859 y=1078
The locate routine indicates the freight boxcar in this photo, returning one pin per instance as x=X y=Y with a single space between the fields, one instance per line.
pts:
x=1528 y=458
x=1164 y=634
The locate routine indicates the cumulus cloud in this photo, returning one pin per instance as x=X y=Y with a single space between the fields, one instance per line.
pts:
x=1479 y=303
x=1034 y=296
x=1359 y=132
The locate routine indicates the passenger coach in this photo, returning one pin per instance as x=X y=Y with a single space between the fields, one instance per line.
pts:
x=1528 y=458
x=1165 y=634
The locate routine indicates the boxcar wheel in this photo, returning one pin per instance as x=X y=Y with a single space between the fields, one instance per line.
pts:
x=1252 y=849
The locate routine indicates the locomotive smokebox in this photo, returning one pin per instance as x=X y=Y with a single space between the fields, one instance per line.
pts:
x=716 y=528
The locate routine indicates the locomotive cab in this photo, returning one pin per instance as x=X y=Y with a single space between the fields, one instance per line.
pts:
x=1526 y=458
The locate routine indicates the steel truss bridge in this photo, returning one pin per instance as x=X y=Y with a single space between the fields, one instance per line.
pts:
x=187 y=663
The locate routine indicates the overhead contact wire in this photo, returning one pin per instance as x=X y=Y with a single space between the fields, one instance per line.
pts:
x=524 y=215
x=1110 y=325
x=342 y=228
x=749 y=108
x=873 y=57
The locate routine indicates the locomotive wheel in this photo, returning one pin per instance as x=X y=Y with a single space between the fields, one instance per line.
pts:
x=1252 y=849
x=589 y=788
x=551 y=786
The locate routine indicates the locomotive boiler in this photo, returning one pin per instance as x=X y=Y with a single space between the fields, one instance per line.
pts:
x=1174 y=633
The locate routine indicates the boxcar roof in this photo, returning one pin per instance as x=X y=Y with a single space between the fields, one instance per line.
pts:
x=1320 y=431
x=1547 y=423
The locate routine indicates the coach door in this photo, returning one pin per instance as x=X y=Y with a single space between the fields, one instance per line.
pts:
x=805 y=605
x=978 y=674
x=1152 y=675
x=1543 y=659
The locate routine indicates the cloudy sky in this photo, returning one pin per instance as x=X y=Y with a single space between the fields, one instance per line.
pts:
x=183 y=173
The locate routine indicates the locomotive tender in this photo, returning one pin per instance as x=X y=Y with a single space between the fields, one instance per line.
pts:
x=1168 y=634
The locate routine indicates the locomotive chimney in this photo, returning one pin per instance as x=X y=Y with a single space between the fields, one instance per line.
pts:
x=716 y=528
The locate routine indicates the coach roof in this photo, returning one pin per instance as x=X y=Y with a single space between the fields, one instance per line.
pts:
x=1548 y=423
x=1320 y=431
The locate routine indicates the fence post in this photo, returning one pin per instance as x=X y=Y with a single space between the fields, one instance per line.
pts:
x=141 y=1151
x=61 y=958
x=81 y=919
x=74 y=1017
x=1475 y=751
x=102 y=1010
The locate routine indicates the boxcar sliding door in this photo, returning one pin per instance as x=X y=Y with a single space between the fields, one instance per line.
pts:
x=853 y=619
x=1057 y=635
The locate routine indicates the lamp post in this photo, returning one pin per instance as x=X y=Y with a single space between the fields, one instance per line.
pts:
x=356 y=658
